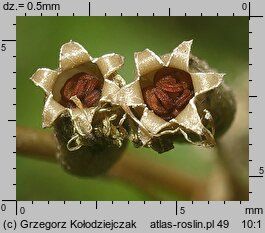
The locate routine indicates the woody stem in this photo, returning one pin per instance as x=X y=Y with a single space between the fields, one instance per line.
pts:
x=145 y=174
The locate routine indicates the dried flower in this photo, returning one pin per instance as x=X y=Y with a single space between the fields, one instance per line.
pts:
x=80 y=105
x=176 y=95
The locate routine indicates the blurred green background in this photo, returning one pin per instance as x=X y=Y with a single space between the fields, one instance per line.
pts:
x=222 y=41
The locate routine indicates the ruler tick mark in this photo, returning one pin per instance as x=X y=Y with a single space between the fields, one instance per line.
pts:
x=256 y=16
x=8 y=40
x=89 y=8
x=16 y=207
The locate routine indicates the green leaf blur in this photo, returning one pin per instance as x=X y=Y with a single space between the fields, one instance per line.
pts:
x=222 y=41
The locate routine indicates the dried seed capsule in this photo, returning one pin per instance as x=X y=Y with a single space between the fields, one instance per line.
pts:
x=81 y=106
x=167 y=100
x=88 y=160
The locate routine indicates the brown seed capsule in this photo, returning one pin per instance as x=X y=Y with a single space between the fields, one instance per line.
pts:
x=170 y=93
x=87 y=160
x=87 y=88
x=169 y=84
